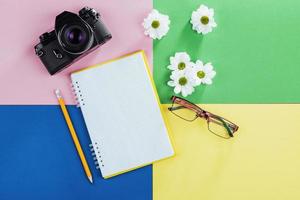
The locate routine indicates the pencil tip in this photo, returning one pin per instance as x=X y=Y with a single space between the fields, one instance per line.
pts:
x=90 y=179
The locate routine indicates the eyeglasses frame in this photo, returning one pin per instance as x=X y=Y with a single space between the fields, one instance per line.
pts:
x=201 y=113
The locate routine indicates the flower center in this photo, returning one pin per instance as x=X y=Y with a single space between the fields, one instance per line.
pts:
x=181 y=66
x=204 y=20
x=182 y=81
x=155 y=24
x=200 y=74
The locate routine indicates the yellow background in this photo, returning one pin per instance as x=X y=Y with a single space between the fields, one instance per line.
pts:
x=261 y=162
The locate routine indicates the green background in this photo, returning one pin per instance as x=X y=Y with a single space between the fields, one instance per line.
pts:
x=255 y=50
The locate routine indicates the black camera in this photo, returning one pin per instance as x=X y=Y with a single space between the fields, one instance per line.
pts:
x=73 y=37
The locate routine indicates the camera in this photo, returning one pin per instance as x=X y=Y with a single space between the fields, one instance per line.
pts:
x=73 y=37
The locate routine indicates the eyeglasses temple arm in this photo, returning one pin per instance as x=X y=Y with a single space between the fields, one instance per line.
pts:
x=226 y=126
x=175 y=108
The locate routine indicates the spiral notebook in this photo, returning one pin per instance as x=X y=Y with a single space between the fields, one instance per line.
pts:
x=122 y=113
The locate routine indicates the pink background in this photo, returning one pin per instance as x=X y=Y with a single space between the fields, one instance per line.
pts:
x=23 y=78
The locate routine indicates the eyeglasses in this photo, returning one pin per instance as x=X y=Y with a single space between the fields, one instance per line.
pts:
x=188 y=111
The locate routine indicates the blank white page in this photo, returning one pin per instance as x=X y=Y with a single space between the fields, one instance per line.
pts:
x=122 y=114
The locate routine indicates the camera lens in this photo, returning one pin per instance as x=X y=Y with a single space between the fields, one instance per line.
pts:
x=75 y=35
x=75 y=38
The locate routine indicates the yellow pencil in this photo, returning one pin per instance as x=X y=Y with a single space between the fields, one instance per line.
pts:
x=73 y=134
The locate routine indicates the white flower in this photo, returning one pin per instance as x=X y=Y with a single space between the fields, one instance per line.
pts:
x=203 y=19
x=156 y=24
x=181 y=61
x=202 y=73
x=182 y=82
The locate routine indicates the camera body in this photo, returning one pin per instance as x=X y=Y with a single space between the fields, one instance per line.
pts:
x=73 y=37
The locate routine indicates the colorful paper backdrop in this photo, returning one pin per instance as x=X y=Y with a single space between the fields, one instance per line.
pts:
x=23 y=78
x=39 y=160
x=261 y=162
x=254 y=49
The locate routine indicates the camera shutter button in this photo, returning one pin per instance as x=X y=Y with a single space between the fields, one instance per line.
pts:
x=57 y=54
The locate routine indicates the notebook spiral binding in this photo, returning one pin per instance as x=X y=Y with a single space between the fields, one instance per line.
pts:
x=97 y=161
x=77 y=94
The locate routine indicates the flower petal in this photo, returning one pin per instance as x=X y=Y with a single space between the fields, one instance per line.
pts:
x=207 y=81
x=211 y=12
x=196 y=82
x=171 y=83
x=203 y=9
x=172 y=60
x=206 y=29
x=183 y=56
x=184 y=92
x=199 y=63
x=177 y=89
x=172 y=67
x=208 y=67
x=190 y=89
x=212 y=74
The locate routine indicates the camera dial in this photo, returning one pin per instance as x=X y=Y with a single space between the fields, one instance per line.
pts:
x=87 y=12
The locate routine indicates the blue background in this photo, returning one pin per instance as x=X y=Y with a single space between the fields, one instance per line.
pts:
x=38 y=159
